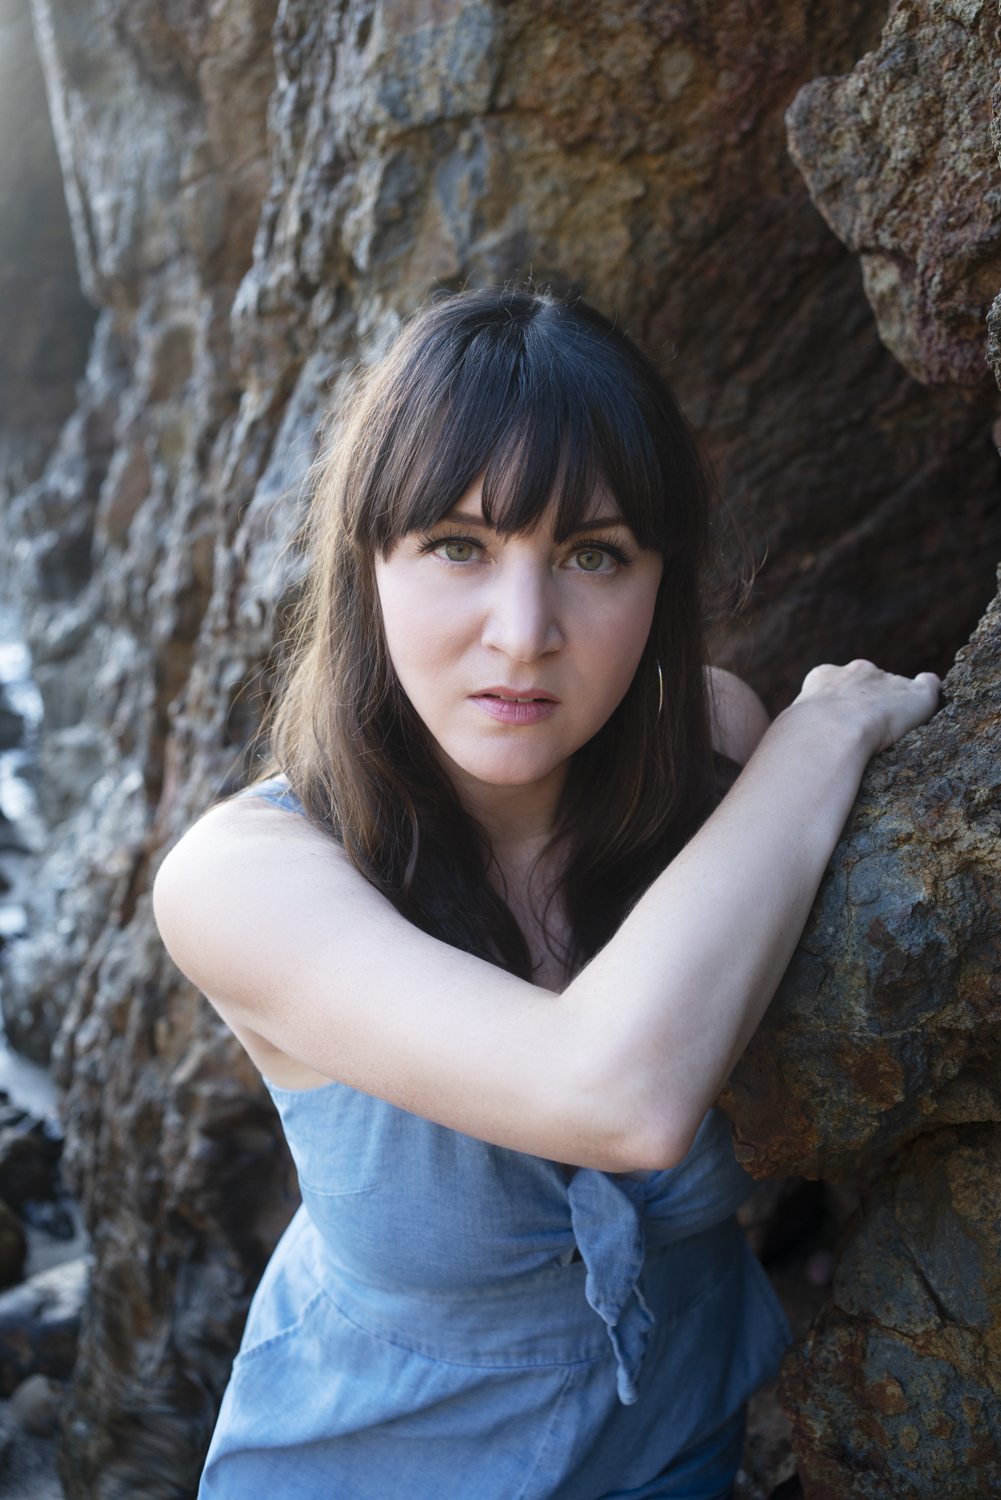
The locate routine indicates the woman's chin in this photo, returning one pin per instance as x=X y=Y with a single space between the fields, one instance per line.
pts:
x=507 y=769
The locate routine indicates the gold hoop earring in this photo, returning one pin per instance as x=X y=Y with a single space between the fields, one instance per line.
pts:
x=660 y=690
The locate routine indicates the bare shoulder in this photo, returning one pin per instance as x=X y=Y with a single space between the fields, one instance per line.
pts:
x=244 y=832
x=739 y=718
x=241 y=860
x=251 y=894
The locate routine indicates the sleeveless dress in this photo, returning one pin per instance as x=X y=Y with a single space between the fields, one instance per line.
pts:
x=449 y=1320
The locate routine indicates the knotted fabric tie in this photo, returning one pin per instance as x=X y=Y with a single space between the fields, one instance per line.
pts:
x=607 y=1216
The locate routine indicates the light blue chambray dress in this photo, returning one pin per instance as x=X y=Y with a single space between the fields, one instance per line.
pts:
x=424 y=1330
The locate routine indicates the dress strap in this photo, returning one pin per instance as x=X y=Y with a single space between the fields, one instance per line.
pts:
x=277 y=791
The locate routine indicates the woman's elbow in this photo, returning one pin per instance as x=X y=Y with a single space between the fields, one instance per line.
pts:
x=631 y=1133
x=656 y=1147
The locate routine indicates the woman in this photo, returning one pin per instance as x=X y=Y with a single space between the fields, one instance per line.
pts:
x=495 y=953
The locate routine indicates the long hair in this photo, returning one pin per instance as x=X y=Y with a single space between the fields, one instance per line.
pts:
x=544 y=398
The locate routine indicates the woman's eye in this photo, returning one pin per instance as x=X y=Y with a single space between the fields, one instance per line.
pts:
x=457 y=551
x=590 y=560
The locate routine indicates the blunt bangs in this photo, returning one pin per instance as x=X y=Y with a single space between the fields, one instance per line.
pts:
x=547 y=401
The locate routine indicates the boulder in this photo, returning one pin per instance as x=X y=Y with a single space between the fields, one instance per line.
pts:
x=13 y=1246
x=886 y=1022
x=898 y=158
x=11 y=728
x=40 y=1324
x=35 y=1405
x=896 y=1391
x=25 y=1167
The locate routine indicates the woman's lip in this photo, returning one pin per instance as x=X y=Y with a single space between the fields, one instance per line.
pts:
x=526 y=708
x=528 y=694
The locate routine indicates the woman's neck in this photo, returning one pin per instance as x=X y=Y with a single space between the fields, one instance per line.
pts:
x=519 y=821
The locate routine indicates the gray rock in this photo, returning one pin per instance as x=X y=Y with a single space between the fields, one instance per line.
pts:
x=45 y=323
x=25 y=1167
x=11 y=728
x=40 y=1324
x=13 y=1246
x=28 y=1465
x=35 y=1405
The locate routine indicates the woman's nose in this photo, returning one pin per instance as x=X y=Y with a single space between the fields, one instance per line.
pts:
x=522 y=616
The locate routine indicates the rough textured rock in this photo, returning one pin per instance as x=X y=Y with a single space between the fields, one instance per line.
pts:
x=635 y=151
x=886 y=1032
x=898 y=159
x=897 y=1391
x=886 y=1023
x=25 y=1167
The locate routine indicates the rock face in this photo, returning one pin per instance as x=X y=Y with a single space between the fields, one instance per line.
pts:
x=898 y=159
x=896 y=1390
x=45 y=323
x=257 y=197
x=880 y=1052
x=886 y=1023
x=885 y=1029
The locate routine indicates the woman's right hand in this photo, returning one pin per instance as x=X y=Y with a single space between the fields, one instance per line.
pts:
x=882 y=705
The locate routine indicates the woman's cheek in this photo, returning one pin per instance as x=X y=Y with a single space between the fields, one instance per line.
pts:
x=426 y=627
x=611 y=646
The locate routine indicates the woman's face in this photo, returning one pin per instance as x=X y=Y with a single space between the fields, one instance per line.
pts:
x=515 y=650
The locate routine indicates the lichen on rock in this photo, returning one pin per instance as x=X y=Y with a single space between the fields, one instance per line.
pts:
x=886 y=1023
x=896 y=1390
x=898 y=158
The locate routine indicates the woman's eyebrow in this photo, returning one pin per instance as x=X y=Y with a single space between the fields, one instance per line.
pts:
x=600 y=523
x=466 y=519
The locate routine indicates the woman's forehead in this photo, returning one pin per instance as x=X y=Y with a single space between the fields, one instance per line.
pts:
x=602 y=510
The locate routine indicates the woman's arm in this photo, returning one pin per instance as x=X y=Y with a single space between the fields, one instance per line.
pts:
x=266 y=915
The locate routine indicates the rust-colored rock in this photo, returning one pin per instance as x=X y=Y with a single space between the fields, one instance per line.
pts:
x=898 y=159
x=887 y=1021
x=897 y=1391
x=886 y=1030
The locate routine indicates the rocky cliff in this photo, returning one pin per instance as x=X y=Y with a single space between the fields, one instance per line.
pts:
x=257 y=195
x=879 y=1056
x=45 y=323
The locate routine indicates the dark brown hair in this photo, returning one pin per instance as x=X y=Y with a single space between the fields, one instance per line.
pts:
x=545 y=398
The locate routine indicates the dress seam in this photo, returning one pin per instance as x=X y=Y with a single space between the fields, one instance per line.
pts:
x=282 y=1335
x=438 y=1359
